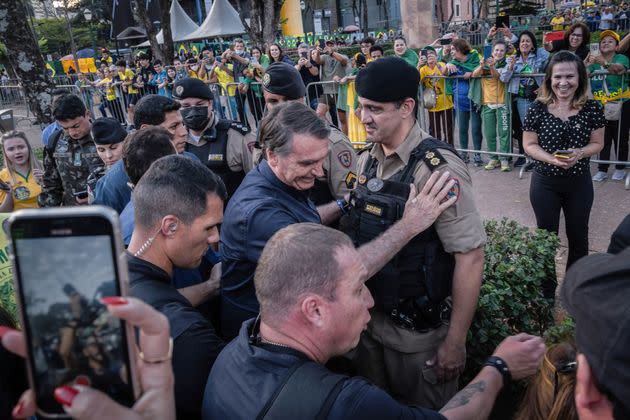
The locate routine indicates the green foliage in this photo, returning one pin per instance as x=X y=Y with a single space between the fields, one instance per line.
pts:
x=517 y=260
x=518 y=7
x=560 y=333
x=53 y=36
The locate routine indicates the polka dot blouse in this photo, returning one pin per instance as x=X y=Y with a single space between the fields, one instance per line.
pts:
x=555 y=134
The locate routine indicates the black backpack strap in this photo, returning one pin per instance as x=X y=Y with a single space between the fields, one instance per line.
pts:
x=307 y=391
x=52 y=143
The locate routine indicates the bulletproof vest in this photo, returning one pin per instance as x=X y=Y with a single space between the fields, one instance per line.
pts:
x=214 y=154
x=320 y=193
x=422 y=267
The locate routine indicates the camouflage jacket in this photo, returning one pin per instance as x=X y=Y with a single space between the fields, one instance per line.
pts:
x=66 y=170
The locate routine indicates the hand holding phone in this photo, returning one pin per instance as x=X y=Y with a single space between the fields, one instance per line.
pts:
x=158 y=399
x=65 y=261
x=563 y=154
x=5 y=187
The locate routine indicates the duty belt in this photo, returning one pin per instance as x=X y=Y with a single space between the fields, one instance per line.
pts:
x=420 y=314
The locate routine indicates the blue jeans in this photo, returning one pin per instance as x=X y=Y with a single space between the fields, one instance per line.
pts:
x=463 y=118
x=522 y=105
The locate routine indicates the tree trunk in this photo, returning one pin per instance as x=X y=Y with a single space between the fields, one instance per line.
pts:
x=263 y=23
x=26 y=59
x=165 y=17
x=364 y=21
x=485 y=9
x=385 y=5
x=142 y=18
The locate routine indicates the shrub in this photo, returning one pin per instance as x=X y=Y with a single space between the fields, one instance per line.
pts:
x=517 y=260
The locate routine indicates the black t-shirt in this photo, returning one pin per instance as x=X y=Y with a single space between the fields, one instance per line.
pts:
x=307 y=77
x=555 y=134
x=195 y=343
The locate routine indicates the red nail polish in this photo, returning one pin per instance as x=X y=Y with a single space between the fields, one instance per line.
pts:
x=4 y=330
x=65 y=394
x=114 y=300
x=17 y=411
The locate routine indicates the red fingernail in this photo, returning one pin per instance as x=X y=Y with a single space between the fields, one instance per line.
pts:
x=114 y=300
x=17 y=411
x=65 y=394
x=4 y=330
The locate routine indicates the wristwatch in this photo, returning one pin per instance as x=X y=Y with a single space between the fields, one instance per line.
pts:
x=343 y=205
x=500 y=365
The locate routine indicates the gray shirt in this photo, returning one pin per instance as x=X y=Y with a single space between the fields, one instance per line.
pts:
x=331 y=67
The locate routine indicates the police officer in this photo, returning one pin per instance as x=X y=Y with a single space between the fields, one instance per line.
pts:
x=223 y=145
x=283 y=83
x=70 y=156
x=414 y=346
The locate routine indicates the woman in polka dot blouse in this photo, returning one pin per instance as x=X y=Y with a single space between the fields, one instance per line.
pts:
x=563 y=128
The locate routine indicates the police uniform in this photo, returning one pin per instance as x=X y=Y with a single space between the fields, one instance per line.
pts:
x=339 y=167
x=224 y=146
x=66 y=170
x=412 y=292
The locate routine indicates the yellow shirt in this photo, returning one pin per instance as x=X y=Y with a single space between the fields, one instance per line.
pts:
x=557 y=23
x=128 y=76
x=493 y=91
x=225 y=78
x=25 y=190
x=444 y=101
x=110 y=92
x=194 y=75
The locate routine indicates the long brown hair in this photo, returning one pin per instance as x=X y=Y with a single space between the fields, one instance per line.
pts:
x=32 y=159
x=546 y=96
x=586 y=34
x=551 y=393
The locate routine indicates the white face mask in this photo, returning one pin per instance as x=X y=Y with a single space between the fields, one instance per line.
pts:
x=194 y=68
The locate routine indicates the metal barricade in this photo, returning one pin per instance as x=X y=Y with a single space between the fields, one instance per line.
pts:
x=616 y=132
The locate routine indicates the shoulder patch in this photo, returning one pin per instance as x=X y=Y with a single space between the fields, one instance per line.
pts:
x=241 y=128
x=433 y=159
x=345 y=158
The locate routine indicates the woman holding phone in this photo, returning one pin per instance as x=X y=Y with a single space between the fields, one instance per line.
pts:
x=562 y=130
x=576 y=39
x=21 y=178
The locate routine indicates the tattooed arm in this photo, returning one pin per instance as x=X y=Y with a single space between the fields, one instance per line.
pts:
x=475 y=401
x=522 y=353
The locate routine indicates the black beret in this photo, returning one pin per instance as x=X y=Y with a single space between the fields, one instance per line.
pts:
x=388 y=79
x=283 y=79
x=191 y=87
x=107 y=131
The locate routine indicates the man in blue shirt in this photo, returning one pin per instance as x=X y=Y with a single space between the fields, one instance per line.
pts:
x=160 y=77
x=152 y=110
x=314 y=305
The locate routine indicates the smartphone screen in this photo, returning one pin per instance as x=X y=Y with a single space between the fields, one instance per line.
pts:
x=502 y=20
x=594 y=48
x=446 y=41
x=63 y=266
x=322 y=44
x=487 y=51
x=304 y=54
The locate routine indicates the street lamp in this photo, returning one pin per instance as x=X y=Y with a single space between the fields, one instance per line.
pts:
x=63 y=4
x=87 y=14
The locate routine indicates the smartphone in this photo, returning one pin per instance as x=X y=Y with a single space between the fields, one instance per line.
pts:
x=487 y=51
x=253 y=60
x=563 y=154
x=4 y=186
x=322 y=43
x=304 y=54
x=445 y=41
x=64 y=261
x=423 y=53
x=502 y=20
x=594 y=48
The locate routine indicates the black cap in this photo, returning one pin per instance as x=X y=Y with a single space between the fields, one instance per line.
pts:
x=283 y=79
x=142 y=56
x=595 y=292
x=191 y=87
x=388 y=79
x=107 y=131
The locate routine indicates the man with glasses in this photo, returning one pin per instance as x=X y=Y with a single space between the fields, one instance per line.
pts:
x=70 y=156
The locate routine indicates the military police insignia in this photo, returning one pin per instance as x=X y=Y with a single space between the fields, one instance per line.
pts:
x=266 y=80
x=351 y=179
x=345 y=158
x=433 y=158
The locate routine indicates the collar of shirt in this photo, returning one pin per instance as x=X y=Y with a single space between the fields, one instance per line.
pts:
x=267 y=173
x=403 y=152
x=146 y=270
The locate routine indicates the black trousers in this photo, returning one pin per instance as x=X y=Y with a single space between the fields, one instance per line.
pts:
x=613 y=134
x=574 y=197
